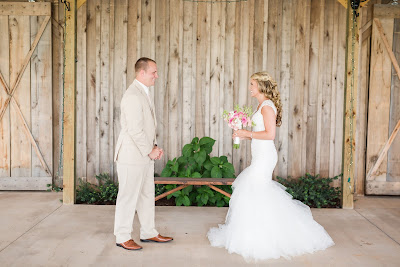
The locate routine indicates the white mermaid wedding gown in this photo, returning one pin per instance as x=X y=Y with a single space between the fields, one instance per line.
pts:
x=263 y=220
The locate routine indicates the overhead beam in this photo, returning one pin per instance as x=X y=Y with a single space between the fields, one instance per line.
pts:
x=351 y=82
x=69 y=106
x=344 y=3
x=25 y=9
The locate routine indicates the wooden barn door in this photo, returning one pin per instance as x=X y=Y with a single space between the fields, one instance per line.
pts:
x=383 y=142
x=25 y=96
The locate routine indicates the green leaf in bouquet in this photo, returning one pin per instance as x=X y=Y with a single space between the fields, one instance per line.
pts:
x=216 y=172
x=187 y=150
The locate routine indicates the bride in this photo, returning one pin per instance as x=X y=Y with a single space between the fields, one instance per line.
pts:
x=263 y=221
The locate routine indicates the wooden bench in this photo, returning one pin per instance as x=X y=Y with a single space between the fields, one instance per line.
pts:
x=185 y=182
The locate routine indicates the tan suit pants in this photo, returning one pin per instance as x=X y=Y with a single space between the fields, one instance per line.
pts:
x=135 y=193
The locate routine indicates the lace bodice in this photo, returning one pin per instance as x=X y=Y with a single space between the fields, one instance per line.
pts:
x=258 y=118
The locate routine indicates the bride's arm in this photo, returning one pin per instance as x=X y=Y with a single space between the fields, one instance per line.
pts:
x=269 y=123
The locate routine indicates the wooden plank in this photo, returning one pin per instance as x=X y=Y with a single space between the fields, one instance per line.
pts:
x=215 y=76
x=351 y=84
x=388 y=46
x=386 y=11
x=19 y=48
x=161 y=86
x=91 y=83
x=229 y=74
x=25 y=183
x=393 y=152
x=265 y=34
x=382 y=188
x=19 y=73
x=250 y=101
x=188 y=83
x=113 y=169
x=316 y=48
x=81 y=102
x=98 y=96
x=174 y=92
x=341 y=73
x=333 y=78
x=219 y=190
x=134 y=26
x=105 y=160
x=5 y=134
x=284 y=89
x=362 y=99
x=80 y=3
x=170 y=192
x=306 y=46
x=383 y=152
x=30 y=137
x=379 y=99
x=57 y=70
x=25 y=9
x=201 y=62
x=326 y=91
x=194 y=181
x=147 y=29
x=69 y=107
x=41 y=98
x=120 y=63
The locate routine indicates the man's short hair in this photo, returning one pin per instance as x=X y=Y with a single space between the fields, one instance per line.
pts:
x=142 y=64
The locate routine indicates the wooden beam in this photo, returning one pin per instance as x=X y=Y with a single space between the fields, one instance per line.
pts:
x=170 y=192
x=383 y=152
x=351 y=83
x=193 y=181
x=69 y=178
x=387 y=11
x=388 y=48
x=25 y=9
x=344 y=3
x=25 y=183
x=79 y=3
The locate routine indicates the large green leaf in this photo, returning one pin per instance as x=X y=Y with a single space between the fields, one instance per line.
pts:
x=204 y=198
x=223 y=159
x=196 y=175
x=206 y=174
x=187 y=190
x=195 y=140
x=179 y=201
x=206 y=140
x=175 y=167
x=166 y=172
x=215 y=161
x=216 y=172
x=208 y=165
x=186 y=201
x=187 y=150
x=196 y=147
x=229 y=166
x=201 y=156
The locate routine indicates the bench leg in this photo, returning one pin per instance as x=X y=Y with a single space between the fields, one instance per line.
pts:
x=219 y=190
x=171 y=191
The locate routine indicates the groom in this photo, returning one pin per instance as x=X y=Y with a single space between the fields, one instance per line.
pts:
x=135 y=153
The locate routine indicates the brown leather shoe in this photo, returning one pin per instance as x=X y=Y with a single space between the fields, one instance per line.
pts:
x=158 y=239
x=129 y=245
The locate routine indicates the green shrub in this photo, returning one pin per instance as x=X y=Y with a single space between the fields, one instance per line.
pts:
x=196 y=162
x=313 y=191
x=104 y=193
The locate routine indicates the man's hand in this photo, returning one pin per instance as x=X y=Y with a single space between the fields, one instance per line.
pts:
x=156 y=153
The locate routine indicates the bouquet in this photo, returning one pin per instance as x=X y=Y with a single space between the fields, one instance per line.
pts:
x=237 y=119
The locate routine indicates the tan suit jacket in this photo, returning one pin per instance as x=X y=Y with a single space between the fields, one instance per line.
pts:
x=138 y=127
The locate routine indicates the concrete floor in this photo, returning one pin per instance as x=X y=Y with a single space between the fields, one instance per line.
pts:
x=36 y=230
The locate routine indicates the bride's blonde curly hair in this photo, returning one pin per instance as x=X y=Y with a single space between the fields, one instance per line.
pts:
x=269 y=87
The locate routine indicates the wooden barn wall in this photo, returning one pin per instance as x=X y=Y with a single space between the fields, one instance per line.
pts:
x=205 y=54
